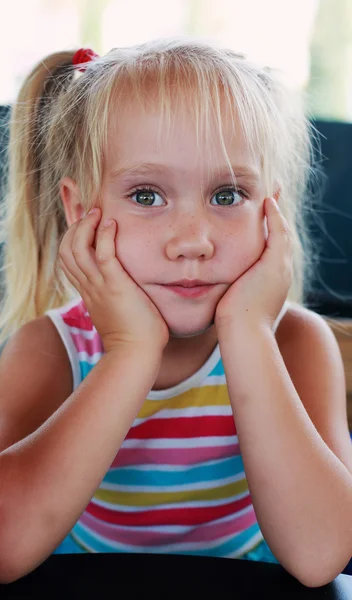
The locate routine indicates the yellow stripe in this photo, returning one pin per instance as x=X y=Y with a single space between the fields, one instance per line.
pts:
x=156 y=498
x=210 y=395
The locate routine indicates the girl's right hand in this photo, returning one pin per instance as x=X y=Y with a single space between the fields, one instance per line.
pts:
x=120 y=310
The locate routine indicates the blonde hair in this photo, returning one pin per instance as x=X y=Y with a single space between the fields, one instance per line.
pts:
x=59 y=128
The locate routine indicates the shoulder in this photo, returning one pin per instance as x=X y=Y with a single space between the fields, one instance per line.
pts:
x=303 y=333
x=40 y=334
x=301 y=325
x=35 y=379
x=307 y=342
x=38 y=347
x=314 y=362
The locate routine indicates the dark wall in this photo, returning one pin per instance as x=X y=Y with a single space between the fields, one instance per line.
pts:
x=330 y=220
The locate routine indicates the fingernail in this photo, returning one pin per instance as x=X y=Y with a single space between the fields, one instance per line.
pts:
x=108 y=222
x=94 y=210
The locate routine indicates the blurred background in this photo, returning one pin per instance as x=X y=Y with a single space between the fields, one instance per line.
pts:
x=308 y=41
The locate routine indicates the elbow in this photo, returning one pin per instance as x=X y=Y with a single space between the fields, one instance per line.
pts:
x=317 y=571
x=13 y=567
x=8 y=574
x=316 y=579
x=9 y=570
x=13 y=559
x=24 y=545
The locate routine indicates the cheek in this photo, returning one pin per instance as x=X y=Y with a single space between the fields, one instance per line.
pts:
x=134 y=251
x=243 y=245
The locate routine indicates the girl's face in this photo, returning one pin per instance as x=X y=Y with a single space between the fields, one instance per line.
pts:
x=178 y=214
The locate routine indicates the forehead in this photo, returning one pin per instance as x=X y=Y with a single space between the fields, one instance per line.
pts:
x=143 y=132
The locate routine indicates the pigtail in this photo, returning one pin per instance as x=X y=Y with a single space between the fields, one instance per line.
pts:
x=32 y=221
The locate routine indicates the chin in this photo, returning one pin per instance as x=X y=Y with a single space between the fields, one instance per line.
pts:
x=187 y=320
x=188 y=334
x=180 y=330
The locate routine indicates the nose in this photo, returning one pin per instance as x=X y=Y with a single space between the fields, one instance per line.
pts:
x=190 y=239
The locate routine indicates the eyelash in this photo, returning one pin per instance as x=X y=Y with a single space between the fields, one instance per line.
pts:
x=146 y=188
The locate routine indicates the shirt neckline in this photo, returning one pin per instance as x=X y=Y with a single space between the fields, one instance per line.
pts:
x=192 y=381
x=197 y=377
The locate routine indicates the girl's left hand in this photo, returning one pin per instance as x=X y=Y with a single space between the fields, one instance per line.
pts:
x=258 y=295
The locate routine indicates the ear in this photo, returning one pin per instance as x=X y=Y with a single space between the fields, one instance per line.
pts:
x=71 y=199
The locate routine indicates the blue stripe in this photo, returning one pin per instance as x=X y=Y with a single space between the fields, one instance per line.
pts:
x=69 y=546
x=261 y=552
x=220 y=469
x=218 y=369
x=85 y=368
x=234 y=543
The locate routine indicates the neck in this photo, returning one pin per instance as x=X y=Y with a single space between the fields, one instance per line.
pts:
x=182 y=357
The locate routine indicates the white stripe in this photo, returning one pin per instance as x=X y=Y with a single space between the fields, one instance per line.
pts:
x=67 y=340
x=189 y=504
x=189 y=411
x=214 y=380
x=85 y=545
x=87 y=335
x=200 y=485
x=194 y=442
x=173 y=468
x=250 y=545
x=91 y=359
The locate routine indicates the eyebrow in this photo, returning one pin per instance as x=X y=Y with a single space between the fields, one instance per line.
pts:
x=240 y=171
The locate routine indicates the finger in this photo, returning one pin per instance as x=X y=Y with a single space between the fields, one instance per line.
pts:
x=278 y=229
x=66 y=258
x=69 y=276
x=279 y=243
x=105 y=252
x=83 y=250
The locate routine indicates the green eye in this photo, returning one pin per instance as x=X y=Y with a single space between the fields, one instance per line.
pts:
x=227 y=197
x=146 y=197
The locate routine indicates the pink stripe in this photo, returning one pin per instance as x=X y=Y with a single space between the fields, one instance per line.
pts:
x=77 y=316
x=172 y=456
x=90 y=346
x=204 y=533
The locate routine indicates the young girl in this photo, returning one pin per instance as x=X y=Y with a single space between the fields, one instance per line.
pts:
x=163 y=389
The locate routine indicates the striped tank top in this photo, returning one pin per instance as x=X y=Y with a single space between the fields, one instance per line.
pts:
x=177 y=484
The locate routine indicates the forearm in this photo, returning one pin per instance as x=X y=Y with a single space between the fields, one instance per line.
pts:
x=49 y=477
x=302 y=493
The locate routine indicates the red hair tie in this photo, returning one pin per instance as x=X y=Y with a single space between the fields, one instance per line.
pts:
x=83 y=55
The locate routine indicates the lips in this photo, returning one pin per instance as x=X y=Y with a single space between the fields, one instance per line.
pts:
x=189 y=288
x=188 y=283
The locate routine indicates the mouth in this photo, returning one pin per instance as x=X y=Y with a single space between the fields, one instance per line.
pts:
x=189 y=288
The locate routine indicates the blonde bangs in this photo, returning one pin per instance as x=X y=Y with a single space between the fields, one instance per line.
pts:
x=203 y=85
